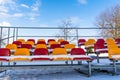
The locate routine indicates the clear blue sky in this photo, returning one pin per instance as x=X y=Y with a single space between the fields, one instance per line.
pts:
x=48 y=13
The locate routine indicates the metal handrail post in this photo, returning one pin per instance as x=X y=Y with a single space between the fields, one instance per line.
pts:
x=8 y=35
x=16 y=33
x=13 y=34
x=77 y=36
x=1 y=38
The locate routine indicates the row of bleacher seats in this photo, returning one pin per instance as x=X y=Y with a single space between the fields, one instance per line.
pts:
x=23 y=54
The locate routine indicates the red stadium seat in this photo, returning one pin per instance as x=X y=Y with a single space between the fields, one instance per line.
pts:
x=28 y=46
x=40 y=52
x=18 y=43
x=80 y=54
x=81 y=42
x=31 y=40
x=4 y=52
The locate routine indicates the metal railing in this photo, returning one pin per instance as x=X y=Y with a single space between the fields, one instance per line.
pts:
x=9 y=34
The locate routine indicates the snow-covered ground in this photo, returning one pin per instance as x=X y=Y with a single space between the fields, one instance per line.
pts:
x=59 y=74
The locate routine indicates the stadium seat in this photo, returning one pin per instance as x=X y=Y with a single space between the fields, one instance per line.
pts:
x=90 y=43
x=50 y=40
x=79 y=54
x=21 y=54
x=60 y=54
x=53 y=46
x=4 y=52
x=81 y=42
x=21 y=40
x=28 y=46
x=117 y=40
x=42 y=54
x=18 y=43
x=99 y=48
x=41 y=42
x=40 y=46
x=11 y=46
x=31 y=40
x=60 y=40
x=63 y=43
x=100 y=40
x=68 y=47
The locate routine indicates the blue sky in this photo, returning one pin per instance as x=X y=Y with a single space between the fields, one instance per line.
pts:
x=48 y=13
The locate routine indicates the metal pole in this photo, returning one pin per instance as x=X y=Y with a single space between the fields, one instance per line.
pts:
x=89 y=68
x=17 y=34
x=8 y=35
x=77 y=36
x=1 y=38
x=64 y=34
x=114 y=67
x=14 y=34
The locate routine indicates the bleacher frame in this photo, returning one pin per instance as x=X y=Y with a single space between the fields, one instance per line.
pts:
x=16 y=36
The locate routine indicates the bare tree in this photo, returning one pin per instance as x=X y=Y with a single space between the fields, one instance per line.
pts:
x=66 y=30
x=109 y=22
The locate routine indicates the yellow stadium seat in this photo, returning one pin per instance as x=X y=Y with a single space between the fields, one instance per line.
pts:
x=60 y=54
x=69 y=46
x=40 y=46
x=29 y=42
x=53 y=42
x=41 y=40
x=60 y=40
x=21 y=52
x=90 y=43
x=21 y=40
x=11 y=46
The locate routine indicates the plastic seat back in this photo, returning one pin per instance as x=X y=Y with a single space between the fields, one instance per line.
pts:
x=117 y=40
x=21 y=40
x=31 y=40
x=11 y=46
x=41 y=42
x=64 y=42
x=28 y=46
x=113 y=51
x=101 y=41
x=22 y=52
x=53 y=46
x=18 y=43
x=81 y=41
x=59 y=51
x=5 y=52
x=110 y=40
x=90 y=42
x=77 y=51
x=50 y=40
x=69 y=46
x=41 y=46
x=41 y=51
x=60 y=40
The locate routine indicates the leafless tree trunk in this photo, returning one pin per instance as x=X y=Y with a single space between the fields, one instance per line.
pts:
x=109 y=22
x=66 y=30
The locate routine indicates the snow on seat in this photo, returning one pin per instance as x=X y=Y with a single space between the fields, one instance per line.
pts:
x=79 y=54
